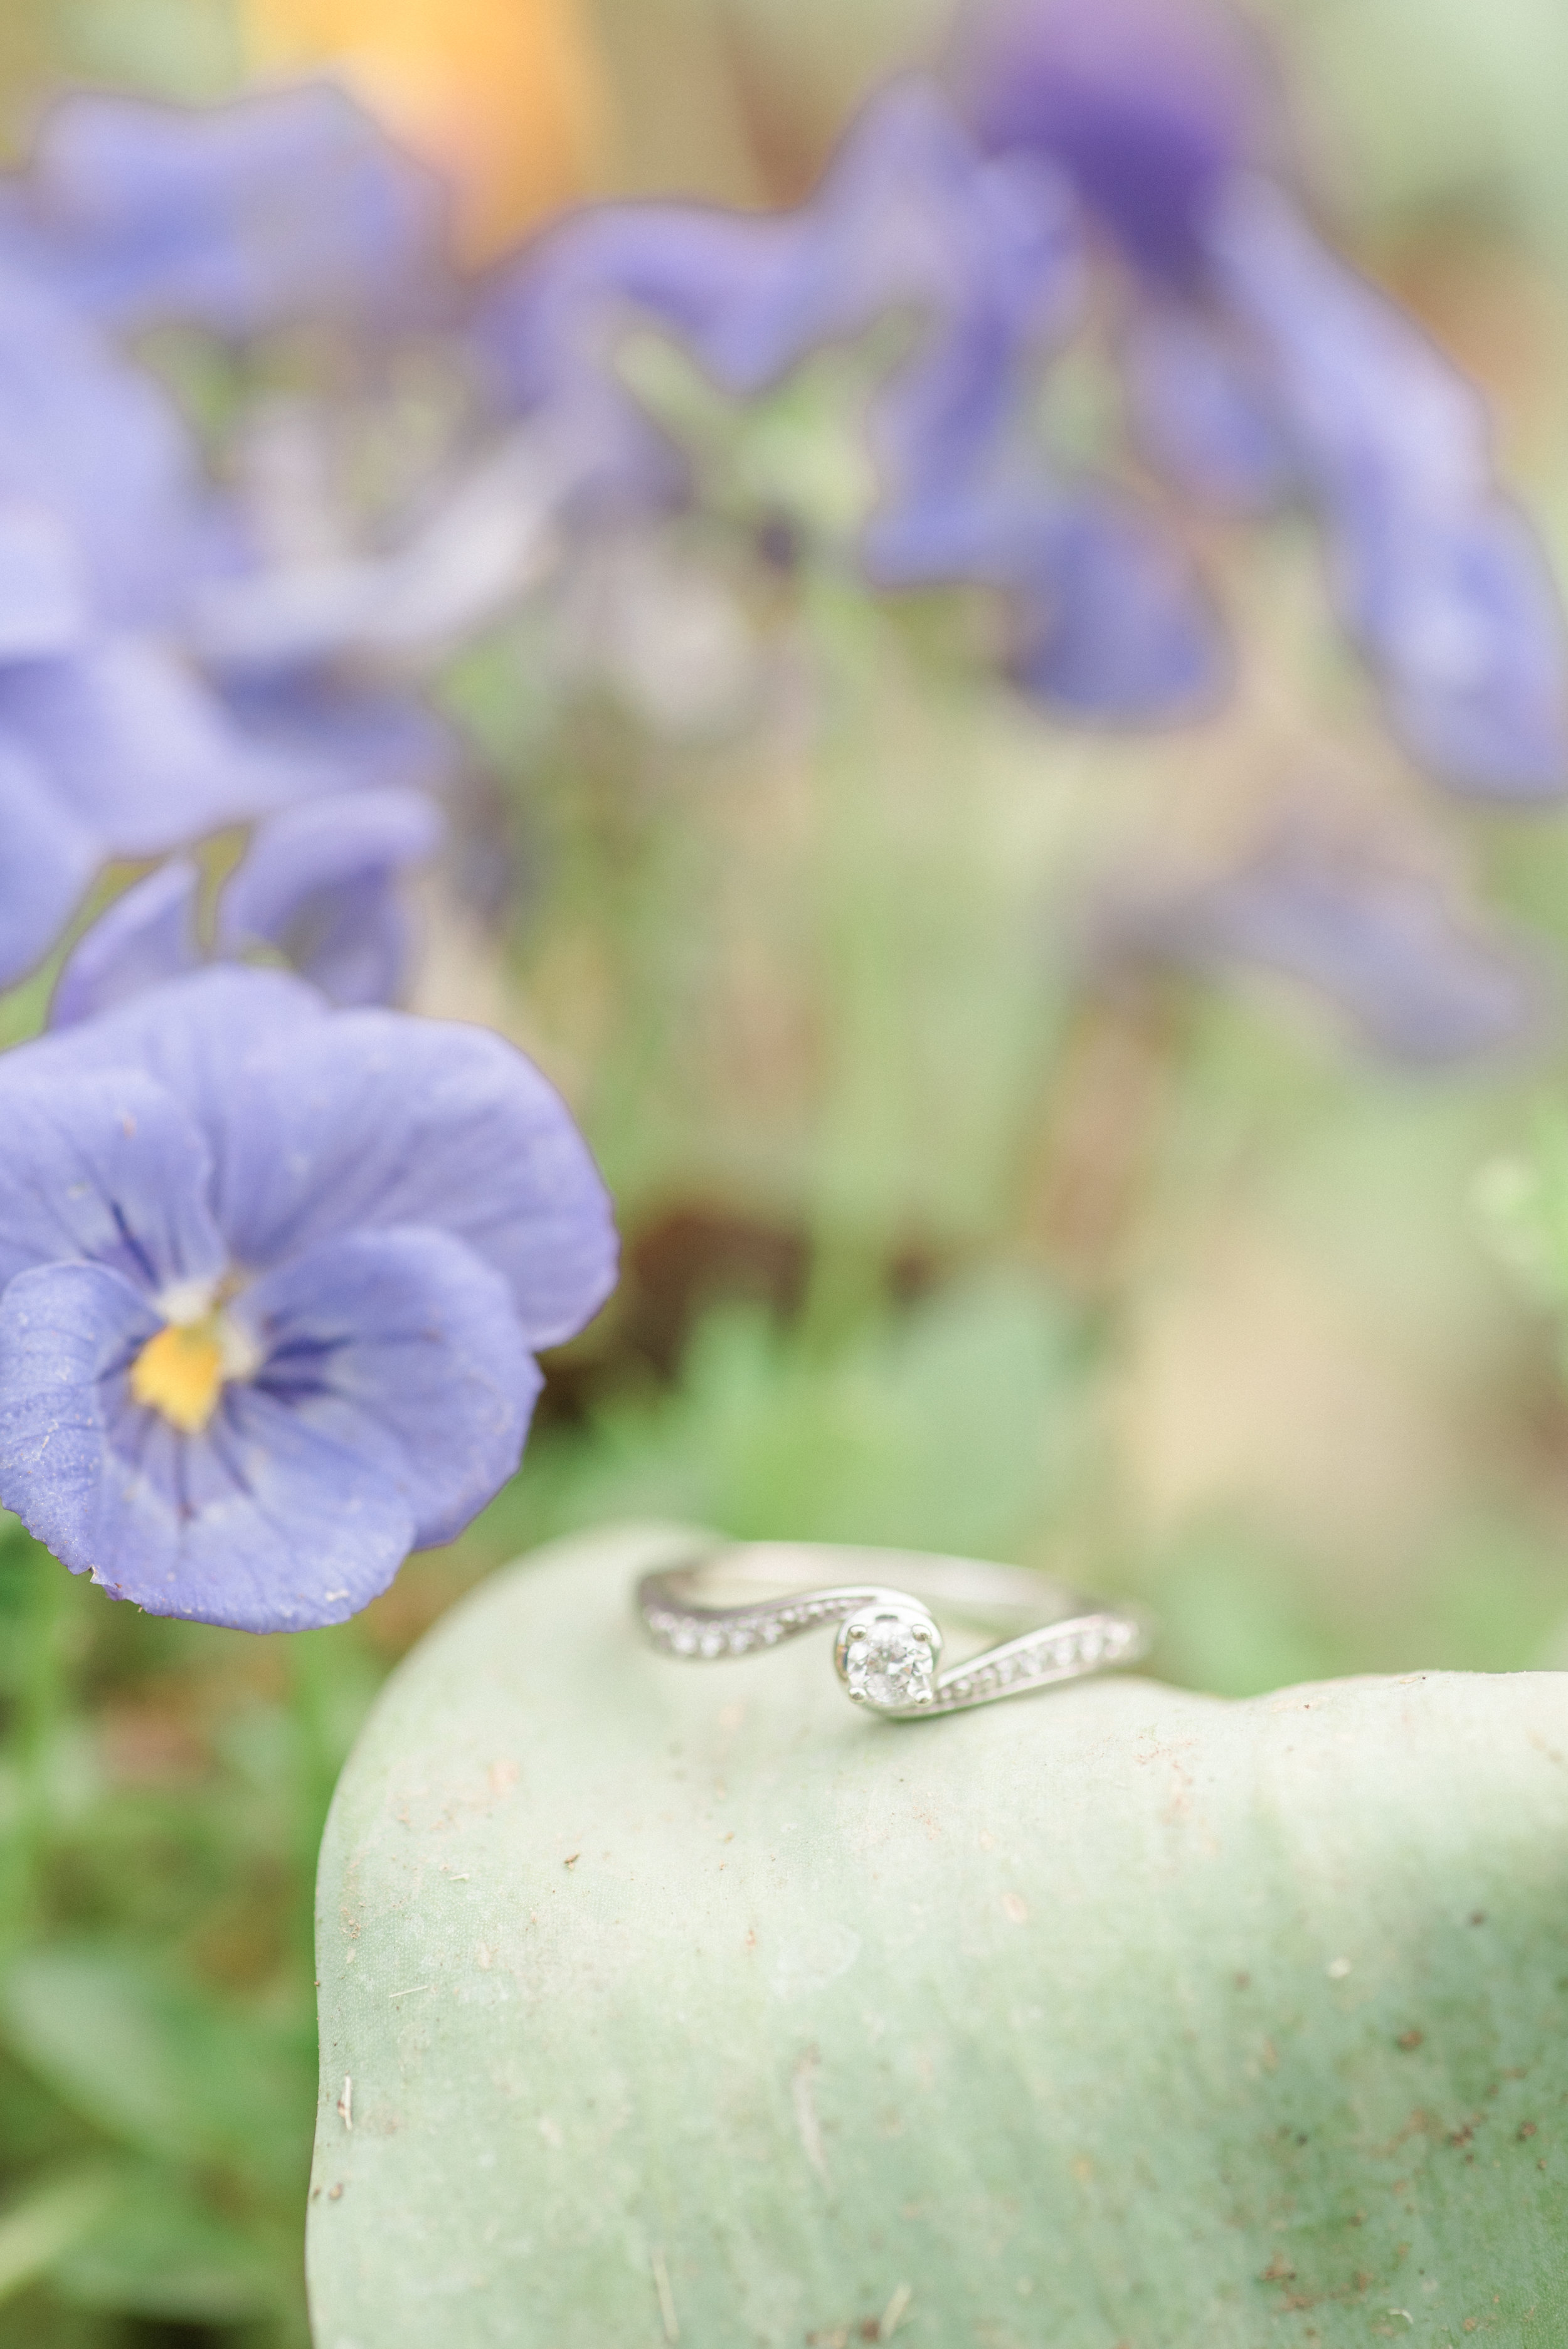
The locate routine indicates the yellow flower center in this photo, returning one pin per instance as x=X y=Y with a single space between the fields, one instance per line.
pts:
x=181 y=1372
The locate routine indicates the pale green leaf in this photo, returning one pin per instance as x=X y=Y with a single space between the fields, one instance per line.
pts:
x=672 y=2001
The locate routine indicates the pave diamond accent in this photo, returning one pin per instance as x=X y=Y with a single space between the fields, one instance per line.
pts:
x=887 y=1657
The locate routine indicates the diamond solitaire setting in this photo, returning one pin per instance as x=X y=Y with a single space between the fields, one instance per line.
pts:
x=887 y=1657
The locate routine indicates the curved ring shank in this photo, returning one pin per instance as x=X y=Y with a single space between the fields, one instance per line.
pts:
x=889 y=1642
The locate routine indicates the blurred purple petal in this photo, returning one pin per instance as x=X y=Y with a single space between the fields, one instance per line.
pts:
x=91 y=441
x=1437 y=577
x=1461 y=614
x=1203 y=410
x=47 y=857
x=293 y=203
x=1147 y=105
x=483 y=541
x=1115 y=624
x=147 y=935
x=1380 y=942
x=1109 y=618
x=358 y=735
x=137 y=751
x=319 y=883
x=44 y=600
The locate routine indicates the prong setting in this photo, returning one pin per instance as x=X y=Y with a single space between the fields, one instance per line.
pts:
x=887 y=1656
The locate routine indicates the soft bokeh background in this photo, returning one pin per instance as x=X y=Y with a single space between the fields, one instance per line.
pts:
x=1169 y=1286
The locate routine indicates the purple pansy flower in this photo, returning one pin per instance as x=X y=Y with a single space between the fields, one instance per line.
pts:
x=318 y=884
x=909 y=214
x=276 y=1276
x=1260 y=365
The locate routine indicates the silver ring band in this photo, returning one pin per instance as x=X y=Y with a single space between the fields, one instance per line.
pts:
x=889 y=1644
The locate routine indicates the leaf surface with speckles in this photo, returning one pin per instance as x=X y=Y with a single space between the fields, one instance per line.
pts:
x=687 y=2002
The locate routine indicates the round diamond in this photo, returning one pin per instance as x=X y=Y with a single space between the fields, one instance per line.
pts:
x=888 y=1660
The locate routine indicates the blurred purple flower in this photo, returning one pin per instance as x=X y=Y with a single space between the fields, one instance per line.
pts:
x=909 y=214
x=1261 y=365
x=290 y=203
x=113 y=740
x=318 y=884
x=108 y=745
x=276 y=1276
x=1378 y=940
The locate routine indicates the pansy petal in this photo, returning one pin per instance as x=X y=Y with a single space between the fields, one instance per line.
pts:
x=1377 y=938
x=91 y=440
x=64 y=1330
x=292 y=202
x=1148 y=105
x=262 y=1522
x=363 y=736
x=320 y=1123
x=1203 y=413
x=147 y=935
x=220 y=1020
x=44 y=596
x=1115 y=624
x=136 y=748
x=47 y=856
x=320 y=884
x=369 y=1119
x=106 y=1165
x=1438 y=579
x=1461 y=614
x=404 y=1335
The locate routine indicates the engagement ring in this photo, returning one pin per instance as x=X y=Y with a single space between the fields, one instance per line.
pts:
x=889 y=1646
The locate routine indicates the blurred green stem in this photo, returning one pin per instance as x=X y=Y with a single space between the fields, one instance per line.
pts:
x=41 y=1701
x=313 y=1662
x=864 y=1043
